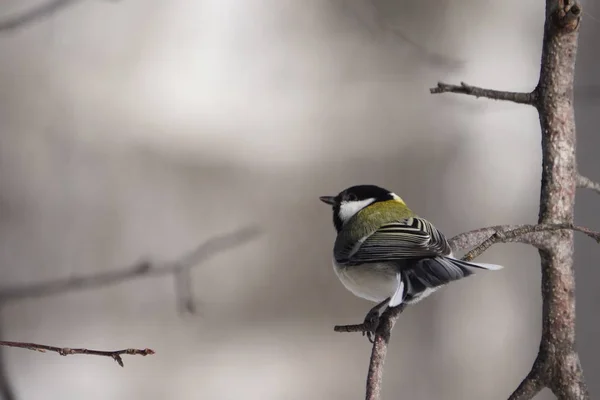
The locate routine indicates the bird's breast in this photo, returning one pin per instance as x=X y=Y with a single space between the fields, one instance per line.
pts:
x=374 y=282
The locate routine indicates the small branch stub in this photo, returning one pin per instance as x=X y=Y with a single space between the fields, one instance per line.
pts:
x=584 y=182
x=568 y=15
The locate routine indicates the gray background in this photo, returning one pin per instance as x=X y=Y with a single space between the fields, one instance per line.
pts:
x=143 y=127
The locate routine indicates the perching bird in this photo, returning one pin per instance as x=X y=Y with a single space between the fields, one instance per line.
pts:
x=387 y=254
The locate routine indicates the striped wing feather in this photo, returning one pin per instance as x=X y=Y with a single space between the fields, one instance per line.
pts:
x=411 y=238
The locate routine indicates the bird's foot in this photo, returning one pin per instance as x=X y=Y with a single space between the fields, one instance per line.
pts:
x=370 y=324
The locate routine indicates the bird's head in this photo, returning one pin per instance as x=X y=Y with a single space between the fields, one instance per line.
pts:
x=350 y=201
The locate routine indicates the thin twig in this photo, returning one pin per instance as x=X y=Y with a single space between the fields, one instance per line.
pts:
x=463 y=88
x=584 y=182
x=350 y=328
x=66 y=351
x=504 y=235
x=474 y=238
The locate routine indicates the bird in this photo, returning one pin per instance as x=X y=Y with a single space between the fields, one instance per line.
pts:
x=385 y=253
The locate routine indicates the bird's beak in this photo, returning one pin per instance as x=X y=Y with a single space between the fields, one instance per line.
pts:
x=328 y=200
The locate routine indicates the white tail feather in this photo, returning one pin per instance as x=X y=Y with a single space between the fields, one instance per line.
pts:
x=491 y=267
x=398 y=296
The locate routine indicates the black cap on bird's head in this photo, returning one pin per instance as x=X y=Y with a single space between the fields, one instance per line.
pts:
x=349 y=201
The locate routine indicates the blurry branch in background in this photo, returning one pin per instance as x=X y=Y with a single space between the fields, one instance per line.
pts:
x=185 y=291
x=180 y=269
x=139 y=270
x=586 y=183
x=66 y=351
x=35 y=14
x=557 y=365
x=370 y=17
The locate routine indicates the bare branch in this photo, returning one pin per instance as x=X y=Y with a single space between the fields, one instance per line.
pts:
x=557 y=365
x=474 y=238
x=139 y=270
x=350 y=328
x=379 y=351
x=528 y=234
x=557 y=360
x=66 y=351
x=463 y=88
x=584 y=182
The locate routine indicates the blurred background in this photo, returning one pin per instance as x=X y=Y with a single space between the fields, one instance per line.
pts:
x=142 y=128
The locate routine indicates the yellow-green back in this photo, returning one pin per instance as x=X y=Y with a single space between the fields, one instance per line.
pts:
x=372 y=217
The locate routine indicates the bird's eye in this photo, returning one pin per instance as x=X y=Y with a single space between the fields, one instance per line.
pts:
x=351 y=197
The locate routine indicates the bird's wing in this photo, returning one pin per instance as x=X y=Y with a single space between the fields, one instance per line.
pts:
x=411 y=238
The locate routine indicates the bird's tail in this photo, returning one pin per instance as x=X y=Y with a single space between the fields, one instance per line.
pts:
x=461 y=263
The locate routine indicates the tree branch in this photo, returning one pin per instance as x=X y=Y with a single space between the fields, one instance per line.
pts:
x=557 y=354
x=557 y=365
x=463 y=88
x=474 y=238
x=527 y=234
x=66 y=351
x=584 y=182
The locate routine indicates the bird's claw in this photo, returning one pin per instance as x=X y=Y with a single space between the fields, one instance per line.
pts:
x=370 y=325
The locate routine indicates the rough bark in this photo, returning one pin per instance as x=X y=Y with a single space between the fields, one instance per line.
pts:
x=560 y=368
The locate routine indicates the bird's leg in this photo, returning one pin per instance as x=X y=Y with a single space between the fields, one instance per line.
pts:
x=371 y=321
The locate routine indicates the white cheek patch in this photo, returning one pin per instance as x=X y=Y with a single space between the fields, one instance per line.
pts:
x=396 y=197
x=349 y=208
